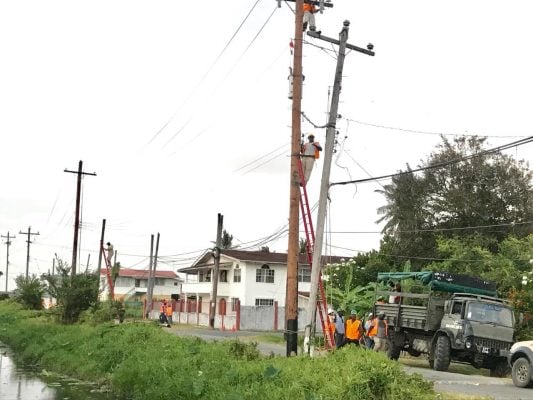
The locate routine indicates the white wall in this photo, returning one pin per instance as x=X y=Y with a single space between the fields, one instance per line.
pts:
x=258 y=290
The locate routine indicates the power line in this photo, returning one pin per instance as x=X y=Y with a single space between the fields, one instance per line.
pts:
x=227 y=75
x=441 y=164
x=439 y=229
x=263 y=156
x=429 y=132
x=204 y=76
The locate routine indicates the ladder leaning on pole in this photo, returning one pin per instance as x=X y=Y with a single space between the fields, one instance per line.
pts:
x=322 y=304
x=108 y=274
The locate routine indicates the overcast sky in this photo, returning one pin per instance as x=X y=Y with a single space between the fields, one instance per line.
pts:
x=178 y=129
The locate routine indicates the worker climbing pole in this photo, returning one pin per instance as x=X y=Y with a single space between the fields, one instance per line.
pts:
x=291 y=302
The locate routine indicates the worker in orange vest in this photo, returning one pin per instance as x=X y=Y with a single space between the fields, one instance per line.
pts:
x=168 y=313
x=354 y=329
x=330 y=325
x=163 y=312
x=309 y=153
x=309 y=17
x=378 y=331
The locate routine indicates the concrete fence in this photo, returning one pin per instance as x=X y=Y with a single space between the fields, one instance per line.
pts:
x=260 y=318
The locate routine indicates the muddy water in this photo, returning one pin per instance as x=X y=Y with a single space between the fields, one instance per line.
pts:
x=19 y=383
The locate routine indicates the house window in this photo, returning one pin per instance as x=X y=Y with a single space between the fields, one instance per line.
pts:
x=122 y=282
x=236 y=275
x=304 y=274
x=223 y=276
x=234 y=303
x=159 y=282
x=205 y=276
x=264 y=302
x=137 y=283
x=264 y=274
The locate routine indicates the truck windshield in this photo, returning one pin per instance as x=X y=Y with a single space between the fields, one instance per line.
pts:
x=490 y=313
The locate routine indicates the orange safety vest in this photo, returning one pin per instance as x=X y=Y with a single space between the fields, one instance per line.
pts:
x=309 y=7
x=162 y=307
x=169 y=310
x=316 y=153
x=373 y=331
x=353 y=329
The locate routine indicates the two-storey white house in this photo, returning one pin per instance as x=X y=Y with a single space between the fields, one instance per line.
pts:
x=255 y=278
x=131 y=284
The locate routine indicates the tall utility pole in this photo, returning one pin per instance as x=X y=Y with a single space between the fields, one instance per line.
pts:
x=291 y=296
x=80 y=173
x=101 y=250
x=29 y=233
x=154 y=268
x=214 y=275
x=8 y=243
x=149 y=283
x=324 y=187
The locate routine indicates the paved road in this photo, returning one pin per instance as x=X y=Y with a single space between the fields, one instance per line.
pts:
x=213 y=334
x=496 y=388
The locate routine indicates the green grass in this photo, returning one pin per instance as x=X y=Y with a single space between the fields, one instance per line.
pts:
x=142 y=361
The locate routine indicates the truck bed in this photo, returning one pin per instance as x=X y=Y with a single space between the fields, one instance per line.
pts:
x=426 y=317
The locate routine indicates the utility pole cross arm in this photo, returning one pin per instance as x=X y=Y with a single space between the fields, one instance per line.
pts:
x=318 y=35
x=315 y=3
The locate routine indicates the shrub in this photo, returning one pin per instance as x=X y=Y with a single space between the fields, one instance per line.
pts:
x=29 y=291
x=74 y=294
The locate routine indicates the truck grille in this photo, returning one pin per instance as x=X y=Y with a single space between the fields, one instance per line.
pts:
x=492 y=344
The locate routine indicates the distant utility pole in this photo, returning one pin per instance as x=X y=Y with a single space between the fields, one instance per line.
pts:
x=80 y=173
x=8 y=243
x=29 y=233
x=328 y=155
x=101 y=250
x=153 y=267
x=214 y=275
x=293 y=249
x=149 y=282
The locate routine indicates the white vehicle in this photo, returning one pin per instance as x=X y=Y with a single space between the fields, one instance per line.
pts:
x=521 y=362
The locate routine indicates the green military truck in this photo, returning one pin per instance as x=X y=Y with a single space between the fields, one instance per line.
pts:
x=459 y=320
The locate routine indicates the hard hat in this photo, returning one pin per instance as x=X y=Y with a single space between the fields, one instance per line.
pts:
x=331 y=311
x=353 y=312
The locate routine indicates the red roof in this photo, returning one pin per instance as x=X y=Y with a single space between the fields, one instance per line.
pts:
x=281 y=258
x=143 y=273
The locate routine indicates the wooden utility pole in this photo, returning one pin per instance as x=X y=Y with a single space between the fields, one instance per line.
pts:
x=154 y=268
x=291 y=297
x=101 y=250
x=80 y=173
x=328 y=156
x=214 y=274
x=8 y=243
x=29 y=233
x=149 y=282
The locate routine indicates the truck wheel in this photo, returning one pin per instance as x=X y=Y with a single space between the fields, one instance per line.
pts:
x=521 y=372
x=442 y=354
x=394 y=352
x=500 y=370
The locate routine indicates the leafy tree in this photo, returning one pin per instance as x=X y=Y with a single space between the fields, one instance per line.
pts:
x=73 y=294
x=489 y=190
x=29 y=291
x=303 y=246
x=227 y=240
